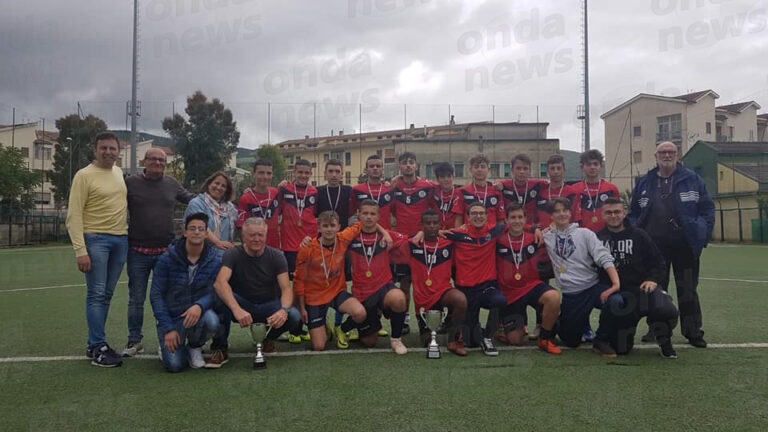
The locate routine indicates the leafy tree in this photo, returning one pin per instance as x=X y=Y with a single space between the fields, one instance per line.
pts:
x=272 y=153
x=205 y=140
x=17 y=182
x=82 y=132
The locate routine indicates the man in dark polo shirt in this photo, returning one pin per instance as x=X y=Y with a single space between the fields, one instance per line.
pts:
x=253 y=286
x=151 y=197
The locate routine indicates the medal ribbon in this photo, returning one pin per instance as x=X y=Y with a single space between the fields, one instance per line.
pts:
x=326 y=268
x=430 y=261
x=258 y=201
x=368 y=259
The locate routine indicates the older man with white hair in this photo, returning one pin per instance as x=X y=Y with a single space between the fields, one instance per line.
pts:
x=672 y=205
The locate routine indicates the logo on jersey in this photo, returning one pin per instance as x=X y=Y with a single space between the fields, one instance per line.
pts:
x=446 y=253
x=422 y=194
x=312 y=200
x=493 y=200
x=603 y=197
x=533 y=194
x=531 y=249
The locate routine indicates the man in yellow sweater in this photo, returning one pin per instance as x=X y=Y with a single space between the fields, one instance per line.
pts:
x=98 y=228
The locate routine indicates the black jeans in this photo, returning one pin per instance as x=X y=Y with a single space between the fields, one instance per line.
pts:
x=623 y=312
x=685 y=266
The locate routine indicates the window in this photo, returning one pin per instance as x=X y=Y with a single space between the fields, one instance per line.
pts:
x=326 y=156
x=42 y=152
x=495 y=171
x=428 y=174
x=721 y=176
x=507 y=169
x=389 y=156
x=730 y=132
x=709 y=127
x=314 y=183
x=336 y=155
x=458 y=169
x=314 y=164
x=637 y=156
x=348 y=177
x=42 y=198
x=378 y=153
x=347 y=158
x=636 y=131
x=543 y=170
x=25 y=152
x=670 y=128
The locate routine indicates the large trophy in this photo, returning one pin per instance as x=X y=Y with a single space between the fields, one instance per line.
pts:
x=433 y=319
x=258 y=333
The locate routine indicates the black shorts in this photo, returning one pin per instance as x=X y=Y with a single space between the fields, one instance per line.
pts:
x=290 y=256
x=401 y=272
x=374 y=307
x=513 y=315
x=316 y=314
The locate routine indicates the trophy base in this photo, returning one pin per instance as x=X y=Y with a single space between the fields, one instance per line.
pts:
x=433 y=353
x=259 y=363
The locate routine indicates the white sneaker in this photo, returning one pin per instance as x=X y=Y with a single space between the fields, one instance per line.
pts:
x=160 y=353
x=132 y=348
x=196 y=360
x=397 y=346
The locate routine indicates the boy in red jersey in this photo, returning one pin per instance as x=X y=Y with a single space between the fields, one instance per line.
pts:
x=446 y=194
x=431 y=261
x=556 y=188
x=476 y=274
x=522 y=188
x=593 y=191
x=412 y=195
x=260 y=200
x=372 y=281
x=517 y=264
x=373 y=189
x=320 y=281
x=479 y=190
x=297 y=205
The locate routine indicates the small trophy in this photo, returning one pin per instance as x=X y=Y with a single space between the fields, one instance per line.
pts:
x=258 y=333
x=433 y=319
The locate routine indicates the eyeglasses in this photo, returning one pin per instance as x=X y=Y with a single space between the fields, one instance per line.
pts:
x=197 y=228
x=477 y=213
x=154 y=159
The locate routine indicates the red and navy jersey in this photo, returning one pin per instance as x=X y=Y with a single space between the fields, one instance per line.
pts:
x=547 y=193
x=445 y=202
x=474 y=249
x=410 y=202
x=379 y=193
x=525 y=195
x=262 y=205
x=297 y=205
x=591 y=198
x=432 y=262
x=369 y=259
x=529 y=255
x=488 y=195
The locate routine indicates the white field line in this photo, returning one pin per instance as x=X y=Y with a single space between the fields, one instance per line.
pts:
x=734 y=280
x=375 y=351
x=50 y=287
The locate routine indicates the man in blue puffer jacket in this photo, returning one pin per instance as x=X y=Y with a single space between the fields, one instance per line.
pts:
x=182 y=296
x=672 y=205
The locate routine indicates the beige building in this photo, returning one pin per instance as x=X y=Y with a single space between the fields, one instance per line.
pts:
x=634 y=128
x=454 y=143
x=37 y=149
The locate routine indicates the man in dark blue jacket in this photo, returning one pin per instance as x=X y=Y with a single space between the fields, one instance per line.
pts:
x=182 y=296
x=672 y=205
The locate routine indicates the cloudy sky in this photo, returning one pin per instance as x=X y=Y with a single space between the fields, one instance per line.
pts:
x=346 y=64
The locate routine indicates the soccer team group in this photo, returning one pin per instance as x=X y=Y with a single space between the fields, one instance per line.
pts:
x=486 y=245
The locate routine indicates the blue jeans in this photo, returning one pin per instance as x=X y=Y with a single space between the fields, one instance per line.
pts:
x=484 y=295
x=259 y=312
x=194 y=337
x=107 y=253
x=139 y=267
x=575 y=310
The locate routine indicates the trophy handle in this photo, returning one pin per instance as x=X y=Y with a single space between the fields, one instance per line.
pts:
x=444 y=314
x=422 y=314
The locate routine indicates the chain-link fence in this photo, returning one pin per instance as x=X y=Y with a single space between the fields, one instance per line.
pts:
x=20 y=228
x=744 y=224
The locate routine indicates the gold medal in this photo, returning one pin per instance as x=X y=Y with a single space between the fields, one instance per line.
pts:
x=428 y=282
x=518 y=276
x=594 y=218
x=561 y=269
x=368 y=273
x=299 y=224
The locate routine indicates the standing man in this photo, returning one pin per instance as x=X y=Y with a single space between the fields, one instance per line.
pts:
x=593 y=191
x=182 y=296
x=672 y=205
x=151 y=198
x=374 y=189
x=641 y=268
x=334 y=196
x=522 y=189
x=253 y=286
x=260 y=200
x=556 y=187
x=97 y=225
x=480 y=190
x=446 y=193
x=413 y=195
x=298 y=205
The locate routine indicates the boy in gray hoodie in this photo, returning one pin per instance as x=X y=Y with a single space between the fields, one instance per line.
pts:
x=576 y=254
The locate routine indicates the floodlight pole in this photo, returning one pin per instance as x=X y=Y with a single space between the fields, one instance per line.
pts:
x=134 y=138
x=586 y=79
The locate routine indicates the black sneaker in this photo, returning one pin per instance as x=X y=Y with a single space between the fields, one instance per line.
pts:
x=104 y=356
x=89 y=353
x=698 y=342
x=603 y=348
x=406 y=329
x=667 y=351
x=649 y=337
x=486 y=344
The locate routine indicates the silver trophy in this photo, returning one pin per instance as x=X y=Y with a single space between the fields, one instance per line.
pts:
x=258 y=333
x=434 y=320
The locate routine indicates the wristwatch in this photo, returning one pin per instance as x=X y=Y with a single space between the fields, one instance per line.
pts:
x=285 y=309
